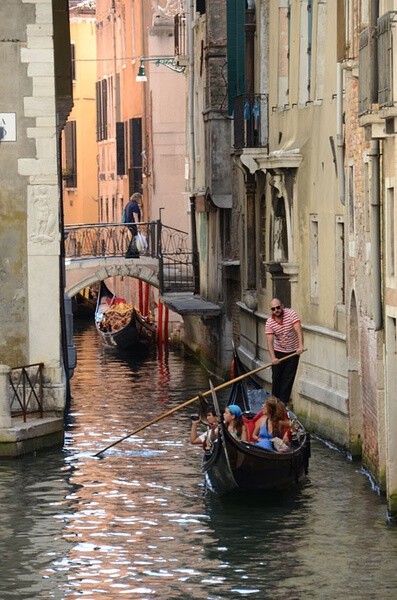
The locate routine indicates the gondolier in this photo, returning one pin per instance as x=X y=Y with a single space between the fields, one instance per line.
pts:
x=284 y=336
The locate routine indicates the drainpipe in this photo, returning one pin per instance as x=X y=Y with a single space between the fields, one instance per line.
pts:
x=375 y=187
x=250 y=186
x=192 y=198
x=340 y=156
x=191 y=97
x=375 y=234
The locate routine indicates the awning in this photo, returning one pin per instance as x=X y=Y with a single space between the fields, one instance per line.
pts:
x=222 y=200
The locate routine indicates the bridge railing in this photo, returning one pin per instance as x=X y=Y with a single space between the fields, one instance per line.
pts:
x=176 y=260
x=107 y=239
x=177 y=264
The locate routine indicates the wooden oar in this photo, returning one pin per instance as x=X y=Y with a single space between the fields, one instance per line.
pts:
x=180 y=406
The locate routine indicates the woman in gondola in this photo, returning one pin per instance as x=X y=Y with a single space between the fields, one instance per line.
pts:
x=271 y=425
x=234 y=422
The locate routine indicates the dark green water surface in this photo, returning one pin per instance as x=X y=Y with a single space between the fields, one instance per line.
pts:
x=137 y=523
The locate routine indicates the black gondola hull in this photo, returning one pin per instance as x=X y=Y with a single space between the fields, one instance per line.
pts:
x=239 y=466
x=135 y=333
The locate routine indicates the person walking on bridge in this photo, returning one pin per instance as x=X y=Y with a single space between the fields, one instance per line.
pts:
x=132 y=208
x=284 y=336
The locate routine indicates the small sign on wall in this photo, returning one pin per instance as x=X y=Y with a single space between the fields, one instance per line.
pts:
x=8 y=127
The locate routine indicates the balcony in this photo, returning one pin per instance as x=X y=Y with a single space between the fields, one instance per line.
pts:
x=251 y=121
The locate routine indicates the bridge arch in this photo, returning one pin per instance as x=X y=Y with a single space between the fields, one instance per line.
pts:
x=81 y=275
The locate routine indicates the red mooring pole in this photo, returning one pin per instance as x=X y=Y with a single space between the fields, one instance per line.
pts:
x=140 y=292
x=166 y=317
x=160 y=324
x=146 y=306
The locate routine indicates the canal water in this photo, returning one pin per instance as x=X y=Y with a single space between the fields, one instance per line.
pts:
x=138 y=523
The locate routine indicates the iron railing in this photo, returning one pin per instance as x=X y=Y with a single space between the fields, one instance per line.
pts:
x=176 y=271
x=177 y=267
x=27 y=385
x=106 y=239
x=251 y=121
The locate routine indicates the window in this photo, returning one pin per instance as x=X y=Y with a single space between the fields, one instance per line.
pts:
x=120 y=147
x=284 y=18
x=314 y=258
x=305 y=51
x=135 y=165
x=69 y=173
x=390 y=245
x=73 y=58
x=340 y=261
x=200 y=6
x=351 y=186
x=101 y=110
x=320 y=45
x=309 y=44
x=235 y=50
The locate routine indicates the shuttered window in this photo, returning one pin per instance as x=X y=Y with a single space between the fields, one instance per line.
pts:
x=70 y=171
x=235 y=50
x=364 y=90
x=101 y=110
x=120 y=147
x=73 y=58
x=135 y=151
x=385 y=62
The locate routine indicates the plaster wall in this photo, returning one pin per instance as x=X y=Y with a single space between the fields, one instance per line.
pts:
x=168 y=124
x=29 y=195
x=300 y=161
x=81 y=203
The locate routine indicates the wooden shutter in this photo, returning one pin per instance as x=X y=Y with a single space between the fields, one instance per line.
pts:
x=120 y=147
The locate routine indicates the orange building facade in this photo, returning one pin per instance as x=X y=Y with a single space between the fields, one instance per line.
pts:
x=79 y=147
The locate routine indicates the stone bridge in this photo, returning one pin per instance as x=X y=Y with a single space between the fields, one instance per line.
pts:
x=83 y=272
x=97 y=251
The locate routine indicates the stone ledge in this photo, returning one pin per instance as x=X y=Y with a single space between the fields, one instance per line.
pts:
x=323 y=394
x=33 y=428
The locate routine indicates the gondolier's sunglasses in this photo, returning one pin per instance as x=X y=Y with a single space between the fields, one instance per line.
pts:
x=275 y=307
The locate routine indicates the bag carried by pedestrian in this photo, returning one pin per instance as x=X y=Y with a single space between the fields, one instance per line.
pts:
x=141 y=242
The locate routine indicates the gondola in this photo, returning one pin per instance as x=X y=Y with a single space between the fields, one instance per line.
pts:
x=121 y=325
x=233 y=466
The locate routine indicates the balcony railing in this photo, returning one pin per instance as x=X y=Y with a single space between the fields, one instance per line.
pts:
x=251 y=121
x=27 y=386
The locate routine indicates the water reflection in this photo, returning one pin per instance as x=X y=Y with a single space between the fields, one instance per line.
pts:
x=137 y=523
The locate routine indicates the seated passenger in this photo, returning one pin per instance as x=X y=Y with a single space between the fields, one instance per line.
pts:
x=234 y=422
x=270 y=425
x=209 y=436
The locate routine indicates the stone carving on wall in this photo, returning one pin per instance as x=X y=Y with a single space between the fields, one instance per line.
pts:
x=281 y=242
x=168 y=8
x=44 y=219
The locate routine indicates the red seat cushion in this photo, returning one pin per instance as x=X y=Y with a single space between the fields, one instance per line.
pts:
x=250 y=424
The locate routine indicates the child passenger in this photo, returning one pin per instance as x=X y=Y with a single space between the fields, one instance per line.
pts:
x=234 y=422
x=208 y=437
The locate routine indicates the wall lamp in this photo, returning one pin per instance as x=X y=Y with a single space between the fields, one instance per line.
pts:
x=167 y=61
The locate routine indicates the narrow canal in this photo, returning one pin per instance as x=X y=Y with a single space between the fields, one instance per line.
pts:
x=138 y=524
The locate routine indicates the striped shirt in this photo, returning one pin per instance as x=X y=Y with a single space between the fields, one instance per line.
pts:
x=285 y=337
